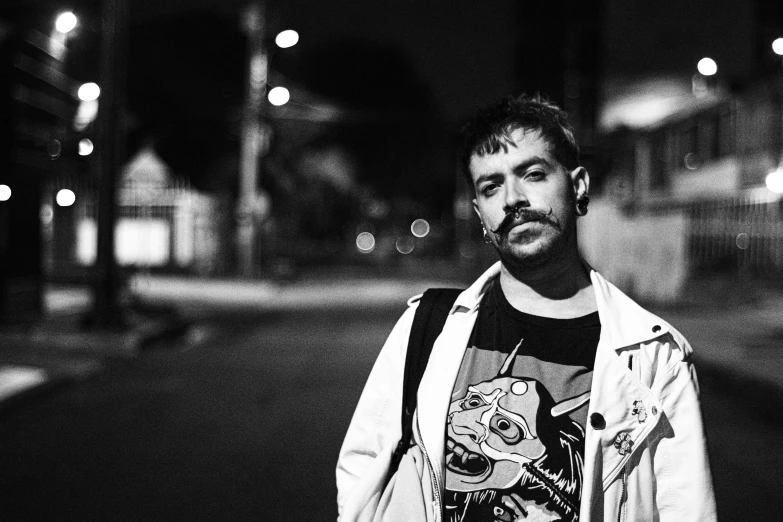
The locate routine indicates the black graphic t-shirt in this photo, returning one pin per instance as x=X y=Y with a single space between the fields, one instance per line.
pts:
x=515 y=431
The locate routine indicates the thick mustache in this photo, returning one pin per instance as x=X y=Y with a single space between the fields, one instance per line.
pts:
x=520 y=216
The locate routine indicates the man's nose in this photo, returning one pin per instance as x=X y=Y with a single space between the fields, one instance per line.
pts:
x=515 y=197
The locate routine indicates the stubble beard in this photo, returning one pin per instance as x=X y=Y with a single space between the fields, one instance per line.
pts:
x=550 y=252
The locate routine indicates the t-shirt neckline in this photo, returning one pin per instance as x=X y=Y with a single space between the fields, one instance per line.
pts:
x=550 y=323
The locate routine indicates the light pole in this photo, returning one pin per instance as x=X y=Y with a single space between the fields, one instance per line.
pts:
x=250 y=144
x=248 y=209
x=106 y=311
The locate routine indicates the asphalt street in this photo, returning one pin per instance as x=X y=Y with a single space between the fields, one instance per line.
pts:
x=243 y=419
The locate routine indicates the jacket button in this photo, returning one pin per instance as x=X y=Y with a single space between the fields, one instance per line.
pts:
x=597 y=421
x=654 y=410
x=656 y=328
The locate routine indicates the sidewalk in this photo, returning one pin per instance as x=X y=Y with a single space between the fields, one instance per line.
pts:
x=738 y=341
x=58 y=350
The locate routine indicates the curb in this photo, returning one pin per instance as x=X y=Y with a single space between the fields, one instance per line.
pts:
x=58 y=374
x=75 y=356
x=107 y=343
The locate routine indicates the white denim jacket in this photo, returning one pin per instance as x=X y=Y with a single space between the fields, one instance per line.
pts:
x=662 y=474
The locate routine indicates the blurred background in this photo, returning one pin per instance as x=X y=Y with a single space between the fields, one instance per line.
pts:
x=212 y=213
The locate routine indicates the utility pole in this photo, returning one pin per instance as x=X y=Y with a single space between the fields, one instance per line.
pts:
x=247 y=213
x=111 y=148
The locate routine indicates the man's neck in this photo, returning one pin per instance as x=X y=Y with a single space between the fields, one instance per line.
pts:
x=561 y=292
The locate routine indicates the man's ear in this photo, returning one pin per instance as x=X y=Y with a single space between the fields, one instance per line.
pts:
x=580 y=180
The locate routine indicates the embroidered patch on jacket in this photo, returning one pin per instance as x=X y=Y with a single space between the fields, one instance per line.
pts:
x=623 y=443
x=639 y=411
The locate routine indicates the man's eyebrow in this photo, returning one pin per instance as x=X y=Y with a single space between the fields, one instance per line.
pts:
x=521 y=167
x=533 y=160
x=488 y=177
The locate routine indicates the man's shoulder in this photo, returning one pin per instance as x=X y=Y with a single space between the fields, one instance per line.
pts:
x=631 y=321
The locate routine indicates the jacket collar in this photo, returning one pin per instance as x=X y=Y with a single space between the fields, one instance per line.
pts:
x=623 y=322
x=471 y=298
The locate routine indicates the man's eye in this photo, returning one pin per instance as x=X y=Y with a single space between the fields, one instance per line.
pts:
x=488 y=190
x=536 y=175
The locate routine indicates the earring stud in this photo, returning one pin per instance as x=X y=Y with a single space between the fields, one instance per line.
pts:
x=487 y=239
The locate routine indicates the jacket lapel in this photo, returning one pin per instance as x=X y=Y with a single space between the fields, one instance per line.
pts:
x=615 y=387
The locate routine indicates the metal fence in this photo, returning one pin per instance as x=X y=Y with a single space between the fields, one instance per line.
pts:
x=171 y=229
x=740 y=233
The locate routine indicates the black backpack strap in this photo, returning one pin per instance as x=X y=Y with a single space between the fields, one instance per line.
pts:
x=434 y=307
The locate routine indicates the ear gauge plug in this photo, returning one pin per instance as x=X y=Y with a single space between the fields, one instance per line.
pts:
x=581 y=205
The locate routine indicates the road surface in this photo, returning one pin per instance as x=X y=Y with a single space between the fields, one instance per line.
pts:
x=243 y=421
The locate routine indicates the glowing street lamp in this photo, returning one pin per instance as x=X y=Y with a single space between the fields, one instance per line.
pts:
x=774 y=181
x=777 y=46
x=287 y=38
x=65 y=198
x=85 y=147
x=279 y=96
x=66 y=22
x=5 y=192
x=707 y=66
x=89 y=92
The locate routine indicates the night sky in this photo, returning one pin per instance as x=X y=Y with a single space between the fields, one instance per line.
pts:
x=464 y=51
x=440 y=60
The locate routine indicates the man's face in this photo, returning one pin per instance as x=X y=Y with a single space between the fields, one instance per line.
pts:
x=528 y=178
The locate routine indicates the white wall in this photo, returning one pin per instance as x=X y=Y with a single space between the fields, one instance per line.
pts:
x=643 y=254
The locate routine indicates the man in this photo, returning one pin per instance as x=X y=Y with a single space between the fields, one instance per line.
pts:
x=549 y=394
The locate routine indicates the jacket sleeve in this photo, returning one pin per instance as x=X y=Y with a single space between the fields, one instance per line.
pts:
x=682 y=469
x=375 y=428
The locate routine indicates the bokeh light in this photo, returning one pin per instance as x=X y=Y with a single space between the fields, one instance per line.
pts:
x=54 y=148
x=365 y=242
x=66 y=22
x=89 y=91
x=287 y=38
x=707 y=66
x=743 y=240
x=777 y=46
x=420 y=228
x=692 y=161
x=775 y=181
x=46 y=214
x=85 y=147
x=65 y=198
x=404 y=245
x=279 y=96
x=5 y=192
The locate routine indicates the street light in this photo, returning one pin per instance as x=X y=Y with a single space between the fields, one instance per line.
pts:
x=279 y=96
x=85 y=147
x=707 y=66
x=66 y=22
x=89 y=92
x=777 y=46
x=65 y=198
x=287 y=38
x=5 y=192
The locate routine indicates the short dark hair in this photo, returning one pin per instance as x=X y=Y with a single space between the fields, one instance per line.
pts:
x=490 y=131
